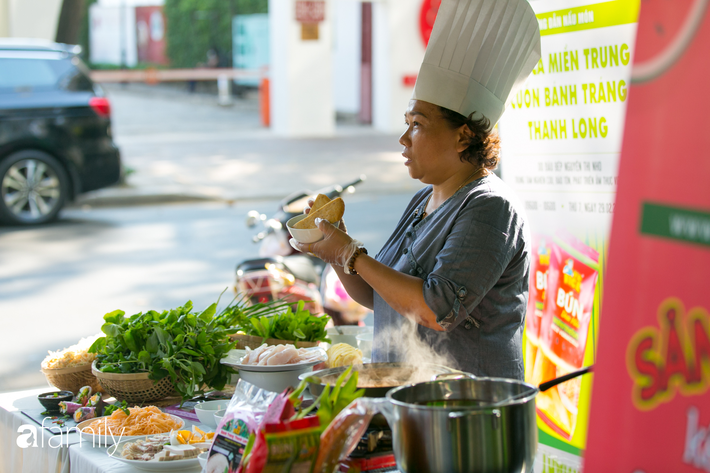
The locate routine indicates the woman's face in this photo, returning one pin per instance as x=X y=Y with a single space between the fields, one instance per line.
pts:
x=431 y=146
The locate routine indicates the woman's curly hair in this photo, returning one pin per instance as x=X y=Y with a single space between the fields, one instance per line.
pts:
x=484 y=147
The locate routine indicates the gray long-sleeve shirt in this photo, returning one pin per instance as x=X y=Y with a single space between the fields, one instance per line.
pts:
x=473 y=255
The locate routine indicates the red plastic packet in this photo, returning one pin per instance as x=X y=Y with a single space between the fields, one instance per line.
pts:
x=278 y=412
x=571 y=282
x=340 y=438
x=286 y=446
x=242 y=418
x=538 y=284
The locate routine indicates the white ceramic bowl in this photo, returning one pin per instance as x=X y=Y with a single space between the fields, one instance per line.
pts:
x=304 y=235
x=202 y=458
x=205 y=411
x=350 y=332
x=218 y=416
x=364 y=343
x=276 y=381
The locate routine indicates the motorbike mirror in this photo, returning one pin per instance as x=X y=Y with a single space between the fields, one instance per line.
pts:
x=253 y=217
x=258 y=237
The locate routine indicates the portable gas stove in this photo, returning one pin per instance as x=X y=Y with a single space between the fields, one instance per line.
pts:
x=372 y=454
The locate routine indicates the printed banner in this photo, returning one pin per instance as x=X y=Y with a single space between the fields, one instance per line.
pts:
x=651 y=403
x=561 y=139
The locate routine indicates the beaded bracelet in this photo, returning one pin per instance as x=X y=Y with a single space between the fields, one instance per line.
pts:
x=350 y=267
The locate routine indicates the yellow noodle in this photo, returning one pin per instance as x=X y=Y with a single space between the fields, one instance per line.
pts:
x=142 y=421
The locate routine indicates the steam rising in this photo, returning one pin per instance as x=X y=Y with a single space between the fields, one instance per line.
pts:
x=406 y=345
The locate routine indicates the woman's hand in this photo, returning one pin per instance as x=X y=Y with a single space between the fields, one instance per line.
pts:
x=335 y=248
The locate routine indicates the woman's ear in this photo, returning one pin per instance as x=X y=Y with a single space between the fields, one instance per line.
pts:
x=464 y=137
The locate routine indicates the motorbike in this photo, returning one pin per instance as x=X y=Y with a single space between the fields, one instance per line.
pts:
x=282 y=272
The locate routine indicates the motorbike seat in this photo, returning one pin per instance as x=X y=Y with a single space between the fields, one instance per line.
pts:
x=303 y=268
x=257 y=264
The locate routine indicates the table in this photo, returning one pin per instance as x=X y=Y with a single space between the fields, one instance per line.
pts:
x=31 y=459
x=65 y=453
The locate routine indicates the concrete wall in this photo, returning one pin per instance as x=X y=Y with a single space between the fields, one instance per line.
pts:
x=347 y=51
x=112 y=30
x=4 y=18
x=130 y=3
x=112 y=35
x=398 y=51
x=301 y=74
x=29 y=18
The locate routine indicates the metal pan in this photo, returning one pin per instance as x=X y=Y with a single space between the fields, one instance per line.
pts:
x=378 y=378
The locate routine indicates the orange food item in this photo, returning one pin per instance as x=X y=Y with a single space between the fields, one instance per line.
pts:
x=142 y=421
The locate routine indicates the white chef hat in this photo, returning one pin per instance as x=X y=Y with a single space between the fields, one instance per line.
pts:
x=478 y=53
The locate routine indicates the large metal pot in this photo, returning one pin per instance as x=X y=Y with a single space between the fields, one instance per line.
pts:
x=463 y=425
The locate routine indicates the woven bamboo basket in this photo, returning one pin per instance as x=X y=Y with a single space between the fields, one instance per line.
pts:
x=244 y=341
x=72 y=379
x=134 y=387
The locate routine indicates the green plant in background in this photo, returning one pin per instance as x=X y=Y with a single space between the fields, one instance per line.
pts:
x=297 y=326
x=84 y=31
x=193 y=27
x=196 y=26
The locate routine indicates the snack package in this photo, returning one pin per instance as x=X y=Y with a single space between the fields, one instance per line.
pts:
x=242 y=418
x=256 y=454
x=540 y=263
x=286 y=446
x=571 y=282
x=538 y=284
x=341 y=436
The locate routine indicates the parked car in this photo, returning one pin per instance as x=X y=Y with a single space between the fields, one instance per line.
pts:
x=55 y=131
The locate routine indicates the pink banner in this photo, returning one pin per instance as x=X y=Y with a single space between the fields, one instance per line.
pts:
x=650 y=408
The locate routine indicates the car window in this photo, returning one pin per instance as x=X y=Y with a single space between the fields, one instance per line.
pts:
x=30 y=74
x=21 y=73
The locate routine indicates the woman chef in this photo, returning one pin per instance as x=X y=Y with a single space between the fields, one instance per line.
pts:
x=457 y=263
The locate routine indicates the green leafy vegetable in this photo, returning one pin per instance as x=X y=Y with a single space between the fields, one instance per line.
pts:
x=180 y=343
x=332 y=400
x=111 y=408
x=288 y=325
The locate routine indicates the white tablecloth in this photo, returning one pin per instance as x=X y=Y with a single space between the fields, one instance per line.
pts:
x=84 y=458
x=45 y=452
x=65 y=453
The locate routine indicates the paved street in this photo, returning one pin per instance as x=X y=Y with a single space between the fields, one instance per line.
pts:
x=180 y=145
x=107 y=253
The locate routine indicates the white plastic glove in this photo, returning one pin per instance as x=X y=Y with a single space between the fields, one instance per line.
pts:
x=335 y=248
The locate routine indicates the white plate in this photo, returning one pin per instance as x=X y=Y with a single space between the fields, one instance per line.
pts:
x=175 y=465
x=106 y=440
x=234 y=362
x=275 y=368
